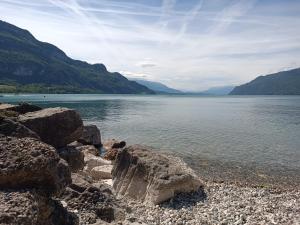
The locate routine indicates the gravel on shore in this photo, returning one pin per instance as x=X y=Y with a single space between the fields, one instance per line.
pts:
x=222 y=204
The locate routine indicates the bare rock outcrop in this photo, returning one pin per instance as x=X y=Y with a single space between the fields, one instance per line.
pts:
x=29 y=163
x=35 y=172
x=55 y=126
x=151 y=177
x=91 y=202
x=30 y=208
x=18 y=208
x=31 y=172
x=91 y=136
x=9 y=127
x=73 y=156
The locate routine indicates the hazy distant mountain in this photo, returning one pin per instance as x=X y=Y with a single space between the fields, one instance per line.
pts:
x=225 y=90
x=282 y=83
x=157 y=87
x=28 y=65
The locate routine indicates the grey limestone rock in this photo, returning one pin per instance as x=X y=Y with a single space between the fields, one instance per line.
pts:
x=150 y=176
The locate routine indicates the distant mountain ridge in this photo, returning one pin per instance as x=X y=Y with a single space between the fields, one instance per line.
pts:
x=157 y=86
x=281 y=83
x=224 y=90
x=29 y=65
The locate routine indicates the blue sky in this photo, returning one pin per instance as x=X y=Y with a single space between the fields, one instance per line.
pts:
x=186 y=44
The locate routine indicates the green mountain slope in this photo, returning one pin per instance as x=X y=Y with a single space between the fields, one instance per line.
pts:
x=28 y=65
x=282 y=83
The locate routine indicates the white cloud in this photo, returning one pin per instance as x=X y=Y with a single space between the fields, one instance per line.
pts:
x=131 y=75
x=147 y=64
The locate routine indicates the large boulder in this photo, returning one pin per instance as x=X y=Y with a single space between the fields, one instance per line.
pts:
x=91 y=136
x=29 y=163
x=73 y=156
x=55 y=126
x=9 y=127
x=30 y=208
x=151 y=177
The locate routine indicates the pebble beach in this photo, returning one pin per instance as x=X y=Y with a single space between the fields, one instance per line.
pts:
x=222 y=204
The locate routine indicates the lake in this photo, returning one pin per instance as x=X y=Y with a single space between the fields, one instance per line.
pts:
x=255 y=136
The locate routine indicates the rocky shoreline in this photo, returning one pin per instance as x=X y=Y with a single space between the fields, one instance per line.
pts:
x=56 y=170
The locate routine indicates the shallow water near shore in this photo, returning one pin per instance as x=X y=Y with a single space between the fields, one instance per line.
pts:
x=254 y=138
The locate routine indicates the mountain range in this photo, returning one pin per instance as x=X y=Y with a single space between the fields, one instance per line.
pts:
x=158 y=87
x=281 y=83
x=29 y=65
x=224 y=90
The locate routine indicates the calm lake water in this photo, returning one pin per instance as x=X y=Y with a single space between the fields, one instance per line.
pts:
x=261 y=131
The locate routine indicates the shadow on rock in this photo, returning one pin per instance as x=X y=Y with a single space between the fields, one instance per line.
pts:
x=185 y=200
